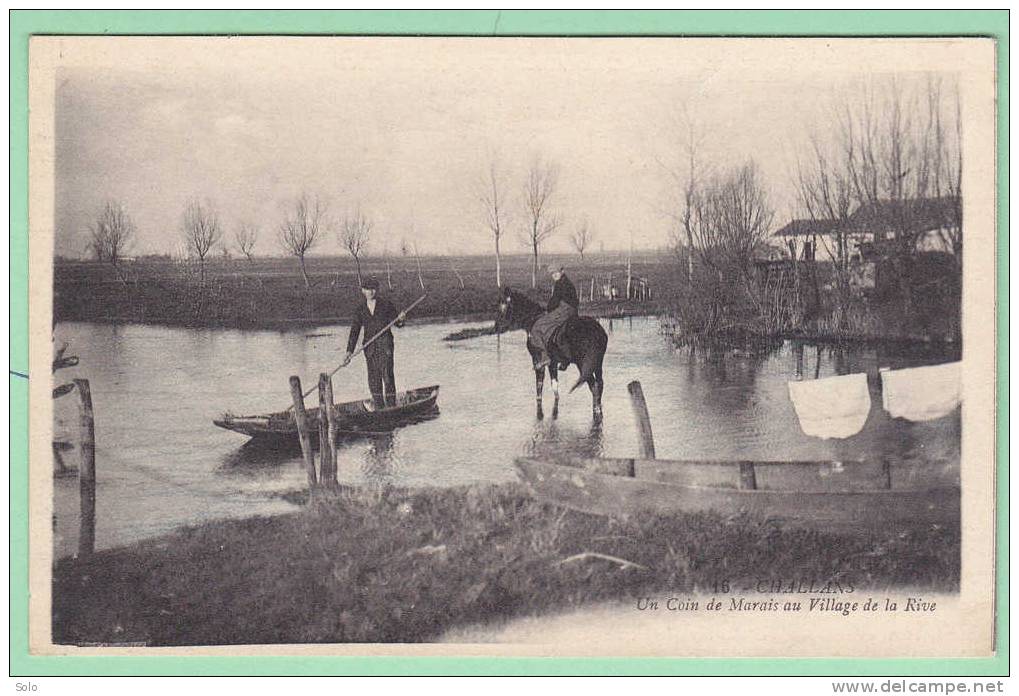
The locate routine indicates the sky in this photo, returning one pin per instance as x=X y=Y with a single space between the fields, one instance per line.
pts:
x=405 y=129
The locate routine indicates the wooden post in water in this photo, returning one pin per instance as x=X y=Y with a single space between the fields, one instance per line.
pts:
x=301 y=417
x=592 y=288
x=87 y=470
x=326 y=430
x=747 y=476
x=629 y=278
x=647 y=438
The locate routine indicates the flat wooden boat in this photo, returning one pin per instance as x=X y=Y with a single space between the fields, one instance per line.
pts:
x=352 y=416
x=840 y=496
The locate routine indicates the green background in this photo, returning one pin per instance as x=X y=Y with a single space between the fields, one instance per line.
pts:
x=990 y=23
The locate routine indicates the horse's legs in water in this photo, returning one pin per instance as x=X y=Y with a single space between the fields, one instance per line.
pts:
x=553 y=376
x=539 y=384
x=596 y=385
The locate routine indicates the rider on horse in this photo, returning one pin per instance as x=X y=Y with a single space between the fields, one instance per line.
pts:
x=561 y=308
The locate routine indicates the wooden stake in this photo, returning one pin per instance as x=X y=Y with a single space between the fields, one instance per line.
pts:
x=301 y=417
x=629 y=277
x=326 y=430
x=647 y=438
x=87 y=470
x=747 y=476
x=417 y=257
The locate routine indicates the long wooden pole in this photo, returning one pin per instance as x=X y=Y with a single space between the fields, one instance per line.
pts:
x=87 y=470
x=301 y=416
x=647 y=438
x=367 y=343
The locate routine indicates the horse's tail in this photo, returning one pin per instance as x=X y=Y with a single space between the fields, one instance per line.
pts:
x=586 y=370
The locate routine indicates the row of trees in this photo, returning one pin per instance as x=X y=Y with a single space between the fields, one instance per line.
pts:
x=304 y=226
x=306 y=223
x=542 y=218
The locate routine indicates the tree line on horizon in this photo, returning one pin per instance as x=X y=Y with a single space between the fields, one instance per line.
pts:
x=891 y=140
x=305 y=224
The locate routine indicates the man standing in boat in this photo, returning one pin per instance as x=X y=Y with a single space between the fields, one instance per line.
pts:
x=372 y=316
x=561 y=308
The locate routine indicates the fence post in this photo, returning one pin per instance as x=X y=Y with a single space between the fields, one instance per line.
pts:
x=747 y=476
x=326 y=430
x=87 y=470
x=301 y=417
x=647 y=439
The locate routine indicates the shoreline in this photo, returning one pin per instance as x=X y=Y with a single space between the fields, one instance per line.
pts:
x=402 y=565
x=282 y=325
x=615 y=312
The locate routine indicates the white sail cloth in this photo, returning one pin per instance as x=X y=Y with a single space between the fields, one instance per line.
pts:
x=922 y=393
x=833 y=407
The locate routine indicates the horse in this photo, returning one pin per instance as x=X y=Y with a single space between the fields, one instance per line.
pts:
x=583 y=336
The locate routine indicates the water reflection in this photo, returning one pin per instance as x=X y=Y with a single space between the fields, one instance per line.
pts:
x=379 y=464
x=257 y=455
x=555 y=439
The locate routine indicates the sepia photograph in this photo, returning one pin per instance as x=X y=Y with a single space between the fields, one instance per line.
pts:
x=512 y=346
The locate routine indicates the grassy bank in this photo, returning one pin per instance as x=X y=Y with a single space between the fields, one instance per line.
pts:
x=408 y=566
x=271 y=293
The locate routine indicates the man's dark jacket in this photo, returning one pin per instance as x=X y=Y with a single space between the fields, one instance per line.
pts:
x=563 y=291
x=385 y=312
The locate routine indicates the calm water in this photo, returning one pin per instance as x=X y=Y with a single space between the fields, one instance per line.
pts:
x=161 y=463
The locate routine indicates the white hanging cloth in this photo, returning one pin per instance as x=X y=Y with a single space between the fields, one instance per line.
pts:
x=922 y=393
x=833 y=407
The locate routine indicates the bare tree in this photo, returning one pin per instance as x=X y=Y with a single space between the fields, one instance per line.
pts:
x=903 y=159
x=112 y=233
x=581 y=238
x=690 y=190
x=495 y=211
x=301 y=229
x=729 y=219
x=201 y=231
x=542 y=220
x=825 y=190
x=246 y=236
x=946 y=122
x=689 y=178
x=355 y=233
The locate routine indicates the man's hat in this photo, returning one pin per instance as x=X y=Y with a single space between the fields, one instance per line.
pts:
x=555 y=268
x=370 y=284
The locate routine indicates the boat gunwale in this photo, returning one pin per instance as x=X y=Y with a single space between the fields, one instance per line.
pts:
x=278 y=415
x=760 y=492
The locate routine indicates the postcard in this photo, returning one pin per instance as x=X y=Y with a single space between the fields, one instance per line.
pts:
x=518 y=346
